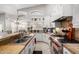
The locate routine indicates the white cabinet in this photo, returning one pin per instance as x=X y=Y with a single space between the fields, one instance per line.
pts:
x=75 y=16
x=66 y=51
x=32 y=46
x=29 y=48
x=25 y=51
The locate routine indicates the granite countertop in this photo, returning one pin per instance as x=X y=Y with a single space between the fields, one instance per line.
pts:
x=6 y=36
x=14 y=48
x=73 y=48
x=11 y=49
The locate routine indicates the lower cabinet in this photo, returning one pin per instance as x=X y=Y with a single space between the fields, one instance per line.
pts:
x=66 y=51
x=26 y=50
x=29 y=48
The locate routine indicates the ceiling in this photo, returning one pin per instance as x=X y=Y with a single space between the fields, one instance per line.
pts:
x=12 y=8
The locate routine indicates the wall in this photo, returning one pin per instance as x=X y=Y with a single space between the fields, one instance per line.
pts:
x=2 y=20
x=8 y=8
x=9 y=18
x=5 y=20
x=76 y=16
x=54 y=11
x=67 y=10
x=36 y=12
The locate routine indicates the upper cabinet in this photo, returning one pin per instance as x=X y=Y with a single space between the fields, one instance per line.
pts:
x=76 y=16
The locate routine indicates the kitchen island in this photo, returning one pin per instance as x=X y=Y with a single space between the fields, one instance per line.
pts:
x=17 y=48
x=4 y=39
x=65 y=48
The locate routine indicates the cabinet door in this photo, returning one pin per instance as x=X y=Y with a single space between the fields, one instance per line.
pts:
x=22 y=52
x=75 y=16
x=66 y=51
x=32 y=45
x=26 y=50
x=29 y=48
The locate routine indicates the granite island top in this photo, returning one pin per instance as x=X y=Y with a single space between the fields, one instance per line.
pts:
x=72 y=47
x=7 y=35
x=14 y=48
x=3 y=36
x=11 y=49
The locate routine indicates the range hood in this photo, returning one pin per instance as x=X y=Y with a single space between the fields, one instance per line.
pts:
x=63 y=18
